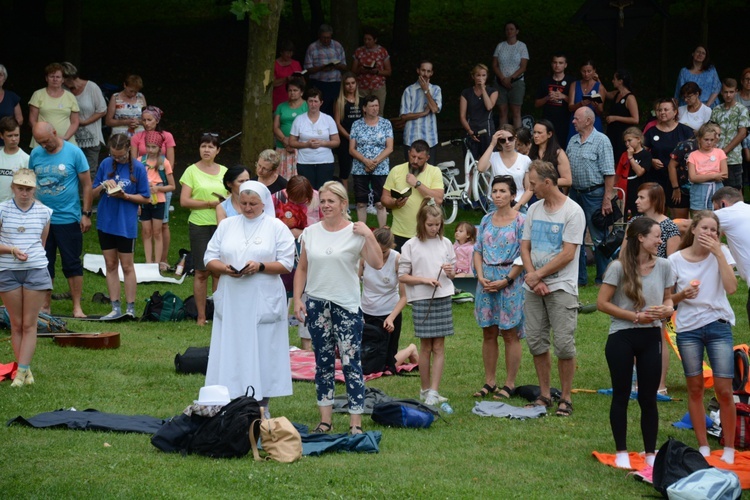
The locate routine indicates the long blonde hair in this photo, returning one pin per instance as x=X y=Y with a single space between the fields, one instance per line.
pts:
x=341 y=101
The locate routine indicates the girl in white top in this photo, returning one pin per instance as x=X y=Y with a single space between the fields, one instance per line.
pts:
x=427 y=268
x=24 y=278
x=508 y=162
x=383 y=297
x=703 y=269
x=327 y=272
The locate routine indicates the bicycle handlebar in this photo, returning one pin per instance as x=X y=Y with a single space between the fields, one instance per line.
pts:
x=459 y=141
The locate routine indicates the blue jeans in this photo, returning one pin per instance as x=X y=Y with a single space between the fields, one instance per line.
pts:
x=716 y=337
x=330 y=325
x=590 y=202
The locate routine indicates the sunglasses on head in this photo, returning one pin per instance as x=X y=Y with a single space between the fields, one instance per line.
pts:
x=502 y=178
x=503 y=140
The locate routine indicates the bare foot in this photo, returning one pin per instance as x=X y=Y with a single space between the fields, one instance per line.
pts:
x=78 y=313
x=201 y=322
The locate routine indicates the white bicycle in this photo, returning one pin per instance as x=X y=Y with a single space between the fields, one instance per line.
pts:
x=474 y=191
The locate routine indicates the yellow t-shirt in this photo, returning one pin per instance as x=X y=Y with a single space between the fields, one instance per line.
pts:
x=405 y=218
x=55 y=111
x=203 y=188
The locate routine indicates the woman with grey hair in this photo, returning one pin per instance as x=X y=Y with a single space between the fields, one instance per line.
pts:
x=10 y=103
x=266 y=171
x=92 y=109
x=250 y=338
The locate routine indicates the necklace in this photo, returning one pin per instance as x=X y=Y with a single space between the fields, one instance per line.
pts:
x=255 y=239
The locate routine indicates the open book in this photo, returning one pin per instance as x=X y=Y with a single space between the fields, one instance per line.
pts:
x=594 y=97
x=402 y=193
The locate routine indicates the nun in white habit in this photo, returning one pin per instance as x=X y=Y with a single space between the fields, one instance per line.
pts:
x=250 y=337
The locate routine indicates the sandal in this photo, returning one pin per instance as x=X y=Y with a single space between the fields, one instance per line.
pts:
x=354 y=430
x=564 y=412
x=323 y=428
x=485 y=391
x=546 y=402
x=507 y=390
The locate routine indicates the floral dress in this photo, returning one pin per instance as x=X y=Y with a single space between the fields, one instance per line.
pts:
x=499 y=247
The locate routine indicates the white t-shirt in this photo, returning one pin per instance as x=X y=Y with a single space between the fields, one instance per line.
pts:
x=694 y=120
x=711 y=304
x=547 y=232
x=509 y=56
x=424 y=259
x=9 y=165
x=333 y=264
x=380 y=287
x=305 y=130
x=734 y=224
x=518 y=170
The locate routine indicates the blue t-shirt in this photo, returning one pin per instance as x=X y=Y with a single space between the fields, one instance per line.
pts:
x=57 y=181
x=116 y=215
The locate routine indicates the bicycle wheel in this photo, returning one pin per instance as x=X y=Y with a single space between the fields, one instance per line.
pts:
x=450 y=201
x=482 y=190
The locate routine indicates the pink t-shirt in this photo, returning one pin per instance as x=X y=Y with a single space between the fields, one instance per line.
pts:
x=707 y=163
x=279 y=71
x=464 y=253
x=139 y=141
x=154 y=178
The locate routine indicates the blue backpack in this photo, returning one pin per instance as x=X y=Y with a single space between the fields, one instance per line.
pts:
x=404 y=413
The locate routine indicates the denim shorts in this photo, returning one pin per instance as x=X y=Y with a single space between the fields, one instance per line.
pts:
x=30 y=279
x=716 y=337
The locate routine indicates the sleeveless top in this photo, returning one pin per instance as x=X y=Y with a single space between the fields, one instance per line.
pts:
x=578 y=98
x=380 y=287
x=228 y=207
x=616 y=129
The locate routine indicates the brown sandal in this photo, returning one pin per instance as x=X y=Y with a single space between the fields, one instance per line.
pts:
x=545 y=402
x=505 y=389
x=323 y=428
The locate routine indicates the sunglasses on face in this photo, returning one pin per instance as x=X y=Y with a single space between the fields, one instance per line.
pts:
x=503 y=140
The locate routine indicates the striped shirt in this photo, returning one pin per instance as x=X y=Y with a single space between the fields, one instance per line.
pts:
x=23 y=229
x=590 y=161
x=319 y=55
x=414 y=100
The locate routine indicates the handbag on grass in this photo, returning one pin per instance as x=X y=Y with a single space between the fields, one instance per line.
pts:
x=279 y=439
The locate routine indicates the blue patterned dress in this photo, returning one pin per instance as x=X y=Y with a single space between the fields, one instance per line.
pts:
x=499 y=247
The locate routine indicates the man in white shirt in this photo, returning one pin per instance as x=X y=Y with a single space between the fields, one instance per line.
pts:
x=12 y=157
x=734 y=221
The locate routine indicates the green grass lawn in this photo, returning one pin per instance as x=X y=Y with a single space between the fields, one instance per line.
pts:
x=465 y=456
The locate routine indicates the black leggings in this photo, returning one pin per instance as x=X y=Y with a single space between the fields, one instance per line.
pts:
x=393 y=338
x=643 y=344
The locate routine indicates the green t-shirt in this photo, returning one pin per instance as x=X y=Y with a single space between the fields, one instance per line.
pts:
x=203 y=187
x=286 y=118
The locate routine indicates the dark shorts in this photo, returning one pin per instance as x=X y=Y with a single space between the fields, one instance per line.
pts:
x=199 y=238
x=30 y=279
x=317 y=173
x=684 y=199
x=362 y=185
x=150 y=211
x=69 y=240
x=113 y=242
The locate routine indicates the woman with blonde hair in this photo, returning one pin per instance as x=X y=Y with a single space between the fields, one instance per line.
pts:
x=475 y=110
x=266 y=171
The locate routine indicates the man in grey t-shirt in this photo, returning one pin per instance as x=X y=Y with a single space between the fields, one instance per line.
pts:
x=550 y=246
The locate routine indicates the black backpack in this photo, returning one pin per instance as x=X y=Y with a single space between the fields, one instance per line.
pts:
x=191 y=310
x=674 y=461
x=374 y=350
x=404 y=413
x=195 y=360
x=174 y=436
x=227 y=434
x=167 y=307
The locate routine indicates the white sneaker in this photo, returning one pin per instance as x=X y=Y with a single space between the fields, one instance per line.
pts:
x=116 y=313
x=433 y=398
x=423 y=394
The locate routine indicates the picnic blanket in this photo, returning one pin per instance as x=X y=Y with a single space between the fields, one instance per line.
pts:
x=144 y=273
x=303 y=367
x=741 y=465
x=91 y=420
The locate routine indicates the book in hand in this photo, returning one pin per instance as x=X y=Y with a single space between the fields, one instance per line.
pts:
x=300 y=73
x=114 y=190
x=395 y=193
x=335 y=62
x=593 y=97
x=369 y=66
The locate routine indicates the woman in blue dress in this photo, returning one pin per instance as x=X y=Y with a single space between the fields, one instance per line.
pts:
x=499 y=296
x=701 y=71
x=588 y=91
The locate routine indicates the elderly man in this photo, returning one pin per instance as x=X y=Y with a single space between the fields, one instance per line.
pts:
x=592 y=164
x=733 y=217
x=324 y=61
x=61 y=170
x=550 y=246
x=420 y=181
x=420 y=104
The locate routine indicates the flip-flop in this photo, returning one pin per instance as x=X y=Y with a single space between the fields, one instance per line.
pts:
x=485 y=391
x=499 y=395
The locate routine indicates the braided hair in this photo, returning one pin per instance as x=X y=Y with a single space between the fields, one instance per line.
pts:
x=121 y=141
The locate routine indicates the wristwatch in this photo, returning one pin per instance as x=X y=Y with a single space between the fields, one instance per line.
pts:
x=510 y=280
x=261 y=267
x=87 y=214
x=419 y=183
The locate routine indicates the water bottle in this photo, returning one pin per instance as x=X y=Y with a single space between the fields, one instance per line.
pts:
x=154 y=199
x=446 y=408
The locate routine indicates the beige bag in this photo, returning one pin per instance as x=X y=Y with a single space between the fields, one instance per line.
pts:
x=279 y=439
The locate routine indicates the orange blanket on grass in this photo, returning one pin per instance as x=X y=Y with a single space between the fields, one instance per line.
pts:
x=8 y=371
x=741 y=465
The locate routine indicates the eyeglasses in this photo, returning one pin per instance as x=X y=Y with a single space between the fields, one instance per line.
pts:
x=503 y=140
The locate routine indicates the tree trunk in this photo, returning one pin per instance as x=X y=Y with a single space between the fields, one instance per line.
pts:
x=345 y=21
x=401 y=26
x=257 y=125
x=316 y=17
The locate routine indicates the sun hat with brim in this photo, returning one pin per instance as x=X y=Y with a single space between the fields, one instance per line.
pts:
x=213 y=395
x=686 y=423
x=24 y=177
